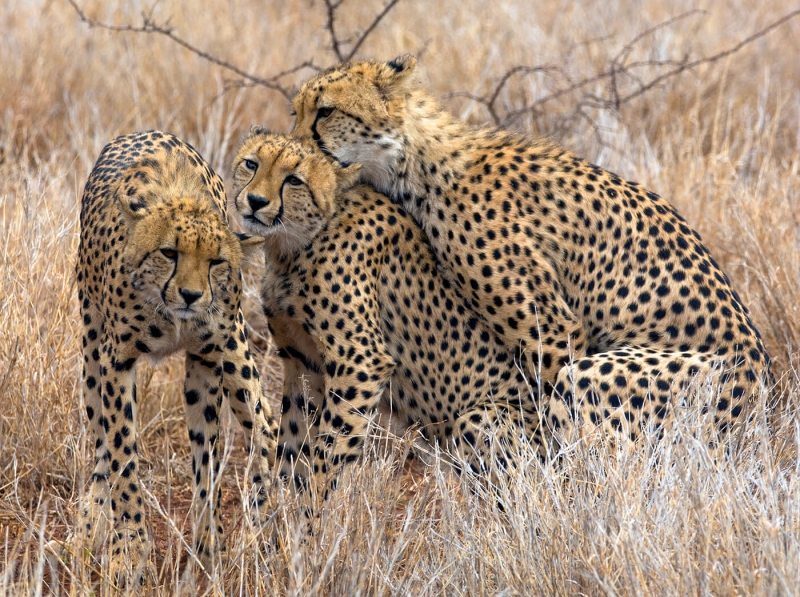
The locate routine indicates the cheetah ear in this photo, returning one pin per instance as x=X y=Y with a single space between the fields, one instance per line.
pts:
x=346 y=177
x=258 y=129
x=130 y=202
x=395 y=75
x=250 y=244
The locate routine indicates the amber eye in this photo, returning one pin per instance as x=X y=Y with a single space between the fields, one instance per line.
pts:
x=216 y=262
x=293 y=181
x=324 y=112
x=250 y=165
x=170 y=254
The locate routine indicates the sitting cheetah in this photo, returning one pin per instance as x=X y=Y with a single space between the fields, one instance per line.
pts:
x=159 y=271
x=560 y=257
x=358 y=300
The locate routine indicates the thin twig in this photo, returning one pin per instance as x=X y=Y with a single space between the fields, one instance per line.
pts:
x=331 y=6
x=149 y=25
x=714 y=58
x=330 y=25
x=371 y=28
x=617 y=68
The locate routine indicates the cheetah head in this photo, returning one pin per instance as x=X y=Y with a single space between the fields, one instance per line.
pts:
x=285 y=189
x=181 y=255
x=355 y=113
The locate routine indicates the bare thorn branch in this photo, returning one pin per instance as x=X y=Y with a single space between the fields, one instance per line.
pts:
x=246 y=79
x=713 y=58
x=368 y=31
x=628 y=47
x=337 y=43
x=618 y=75
x=149 y=25
x=330 y=25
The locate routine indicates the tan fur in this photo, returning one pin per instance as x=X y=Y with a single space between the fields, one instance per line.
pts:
x=160 y=271
x=271 y=200
x=560 y=257
x=363 y=312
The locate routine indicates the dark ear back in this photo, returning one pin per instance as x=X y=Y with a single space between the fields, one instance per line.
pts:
x=258 y=129
x=403 y=64
x=250 y=244
x=346 y=177
x=129 y=198
x=395 y=75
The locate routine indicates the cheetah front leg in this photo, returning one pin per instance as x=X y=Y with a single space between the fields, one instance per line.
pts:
x=302 y=394
x=354 y=389
x=96 y=515
x=303 y=391
x=94 y=520
x=250 y=407
x=203 y=398
x=130 y=543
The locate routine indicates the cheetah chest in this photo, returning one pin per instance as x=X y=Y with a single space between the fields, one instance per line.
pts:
x=162 y=337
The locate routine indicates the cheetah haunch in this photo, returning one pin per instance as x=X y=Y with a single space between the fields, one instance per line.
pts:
x=356 y=302
x=160 y=271
x=614 y=299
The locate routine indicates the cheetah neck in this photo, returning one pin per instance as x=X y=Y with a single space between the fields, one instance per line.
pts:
x=275 y=283
x=438 y=148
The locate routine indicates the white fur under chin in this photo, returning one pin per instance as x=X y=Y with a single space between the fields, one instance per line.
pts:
x=289 y=238
x=378 y=161
x=292 y=238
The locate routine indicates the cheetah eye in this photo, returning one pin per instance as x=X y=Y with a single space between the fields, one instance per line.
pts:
x=325 y=112
x=250 y=165
x=170 y=254
x=214 y=262
x=293 y=180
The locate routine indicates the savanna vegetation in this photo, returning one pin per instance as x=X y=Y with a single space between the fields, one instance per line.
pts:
x=699 y=101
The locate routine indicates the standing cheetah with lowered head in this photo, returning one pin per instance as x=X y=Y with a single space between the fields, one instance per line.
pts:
x=354 y=296
x=560 y=257
x=160 y=271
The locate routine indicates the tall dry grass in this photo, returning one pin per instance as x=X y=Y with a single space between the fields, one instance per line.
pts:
x=721 y=142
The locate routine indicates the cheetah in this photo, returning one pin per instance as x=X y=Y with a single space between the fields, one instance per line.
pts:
x=160 y=271
x=360 y=304
x=613 y=298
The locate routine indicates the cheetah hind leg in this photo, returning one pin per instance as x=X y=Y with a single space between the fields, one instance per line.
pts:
x=625 y=391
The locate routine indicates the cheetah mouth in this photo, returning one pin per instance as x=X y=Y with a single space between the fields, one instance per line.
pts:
x=185 y=313
x=260 y=227
x=253 y=220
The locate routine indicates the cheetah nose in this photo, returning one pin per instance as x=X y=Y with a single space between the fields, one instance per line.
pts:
x=256 y=202
x=190 y=296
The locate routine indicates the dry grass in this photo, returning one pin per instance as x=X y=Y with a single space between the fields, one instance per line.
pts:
x=721 y=142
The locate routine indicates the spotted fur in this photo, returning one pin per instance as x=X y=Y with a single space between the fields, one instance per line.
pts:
x=558 y=256
x=357 y=301
x=160 y=271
